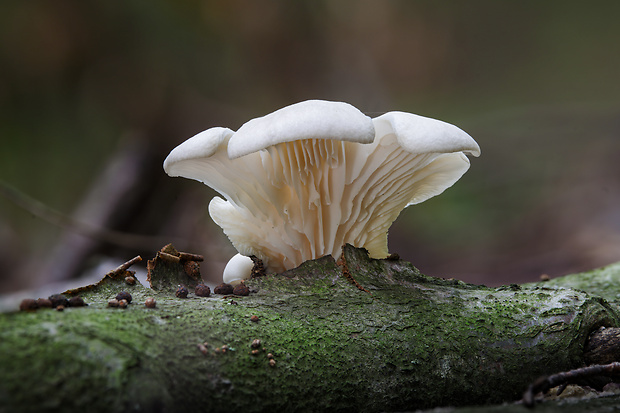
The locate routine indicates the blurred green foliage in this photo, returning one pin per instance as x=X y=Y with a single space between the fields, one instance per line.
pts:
x=535 y=83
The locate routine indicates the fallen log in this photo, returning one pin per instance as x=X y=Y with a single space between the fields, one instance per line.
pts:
x=358 y=335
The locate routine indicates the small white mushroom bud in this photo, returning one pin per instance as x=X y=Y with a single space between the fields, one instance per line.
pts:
x=238 y=268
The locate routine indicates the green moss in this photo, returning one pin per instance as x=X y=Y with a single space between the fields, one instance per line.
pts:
x=602 y=282
x=408 y=342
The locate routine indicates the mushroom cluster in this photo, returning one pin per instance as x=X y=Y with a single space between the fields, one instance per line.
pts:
x=301 y=182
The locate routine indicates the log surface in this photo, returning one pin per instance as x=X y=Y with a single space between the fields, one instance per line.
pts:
x=366 y=335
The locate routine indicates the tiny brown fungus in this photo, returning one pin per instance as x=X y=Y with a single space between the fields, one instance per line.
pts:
x=76 y=301
x=58 y=299
x=203 y=349
x=202 y=290
x=192 y=268
x=241 y=289
x=124 y=295
x=28 y=304
x=181 y=292
x=224 y=289
x=44 y=303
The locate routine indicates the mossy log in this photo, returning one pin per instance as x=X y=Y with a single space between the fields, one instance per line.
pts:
x=360 y=335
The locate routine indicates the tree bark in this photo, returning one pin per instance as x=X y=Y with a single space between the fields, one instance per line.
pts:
x=358 y=335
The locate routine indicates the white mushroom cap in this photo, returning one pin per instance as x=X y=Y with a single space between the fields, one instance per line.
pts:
x=238 y=268
x=312 y=119
x=420 y=135
x=301 y=182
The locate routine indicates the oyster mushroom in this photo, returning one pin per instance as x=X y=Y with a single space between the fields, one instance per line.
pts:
x=238 y=268
x=303 y=181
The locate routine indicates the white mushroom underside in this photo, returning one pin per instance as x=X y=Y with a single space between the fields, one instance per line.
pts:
x=318 y=194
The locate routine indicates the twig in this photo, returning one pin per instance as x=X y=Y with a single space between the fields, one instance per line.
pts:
x=116 y=273
x=186 y=256
x=40 y=210
x=543 y=384
x=123 y=267
x=169 y=257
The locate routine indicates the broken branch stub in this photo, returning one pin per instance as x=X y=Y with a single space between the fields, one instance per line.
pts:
x=170 y=268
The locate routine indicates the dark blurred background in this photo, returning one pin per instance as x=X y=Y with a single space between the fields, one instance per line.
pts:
x=94 y=94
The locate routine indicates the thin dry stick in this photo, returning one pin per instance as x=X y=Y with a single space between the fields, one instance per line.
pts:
x=54 y=217
x=543 y=384
x=123 y=267
x=186 y=256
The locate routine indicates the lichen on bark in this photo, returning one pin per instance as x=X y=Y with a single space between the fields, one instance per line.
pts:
x=403 y=341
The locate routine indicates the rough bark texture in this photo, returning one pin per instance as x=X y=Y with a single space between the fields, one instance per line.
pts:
x=391 y=339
